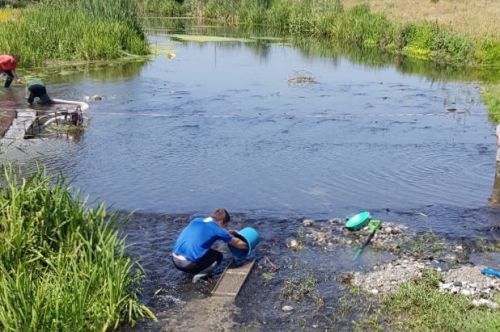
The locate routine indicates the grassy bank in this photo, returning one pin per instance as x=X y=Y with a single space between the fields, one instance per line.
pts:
x=491 y=97
x=418 y=306
x=62 y=267
x=72 y=30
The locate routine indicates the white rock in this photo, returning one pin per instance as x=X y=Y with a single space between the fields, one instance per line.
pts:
x=465 y=292
x=308 y=222
x=489 y=303
x=287 y=308
x=446 y=285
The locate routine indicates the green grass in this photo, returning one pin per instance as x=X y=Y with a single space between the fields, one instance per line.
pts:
x=63 y=267
x=490 y=95
x=160 y=8
x=418 y=306
x=76 y=30
x=296 y=288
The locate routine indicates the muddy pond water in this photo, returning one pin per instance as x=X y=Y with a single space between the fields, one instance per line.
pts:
x=274 y=132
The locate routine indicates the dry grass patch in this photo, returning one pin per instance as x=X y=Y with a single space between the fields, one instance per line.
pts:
x=476 y=18
x=8 y=14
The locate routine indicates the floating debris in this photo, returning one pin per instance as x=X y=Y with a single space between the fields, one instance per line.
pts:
x=301 y=77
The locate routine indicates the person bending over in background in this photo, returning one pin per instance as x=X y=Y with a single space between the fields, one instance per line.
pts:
x=8 y=64
x=192 y=252
x=35 y=88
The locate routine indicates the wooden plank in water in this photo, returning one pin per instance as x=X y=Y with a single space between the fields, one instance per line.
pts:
x=232 y=280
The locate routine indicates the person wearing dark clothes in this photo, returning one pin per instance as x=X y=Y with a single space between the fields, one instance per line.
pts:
x=35 y=88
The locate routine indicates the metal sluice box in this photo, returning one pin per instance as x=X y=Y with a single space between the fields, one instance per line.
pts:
x=232 y=280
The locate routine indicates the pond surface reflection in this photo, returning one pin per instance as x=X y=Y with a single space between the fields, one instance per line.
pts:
x=223 y=124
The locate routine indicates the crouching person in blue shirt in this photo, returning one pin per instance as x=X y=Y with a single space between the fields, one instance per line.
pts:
x=192 y=252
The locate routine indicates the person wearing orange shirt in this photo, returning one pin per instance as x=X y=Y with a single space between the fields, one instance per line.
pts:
x=8 y=64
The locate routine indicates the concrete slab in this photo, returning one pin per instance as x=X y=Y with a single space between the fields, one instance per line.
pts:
x=20 y=124
x=17 y=129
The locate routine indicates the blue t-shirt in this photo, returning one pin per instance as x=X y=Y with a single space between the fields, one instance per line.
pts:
x=199 y=236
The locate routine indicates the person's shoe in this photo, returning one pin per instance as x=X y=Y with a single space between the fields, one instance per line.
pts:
x=204 y=273
x=198 y=277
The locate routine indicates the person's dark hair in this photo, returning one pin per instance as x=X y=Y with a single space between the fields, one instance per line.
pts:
x=18 y=56
x=221 y=215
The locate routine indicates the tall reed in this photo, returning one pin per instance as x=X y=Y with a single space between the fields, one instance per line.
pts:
x=42 y=34
x=63 y=267
x=160 y=8
x=121 y=11
x=73 y=30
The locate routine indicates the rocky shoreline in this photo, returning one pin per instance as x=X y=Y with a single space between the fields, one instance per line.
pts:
x=411 y=254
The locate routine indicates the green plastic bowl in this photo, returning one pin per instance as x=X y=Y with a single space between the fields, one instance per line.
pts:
x=358 y=221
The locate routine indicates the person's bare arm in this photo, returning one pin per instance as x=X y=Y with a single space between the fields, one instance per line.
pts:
x=240 y=244
x=16 y=76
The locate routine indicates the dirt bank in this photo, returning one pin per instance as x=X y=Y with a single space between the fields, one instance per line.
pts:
x=467 y=17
